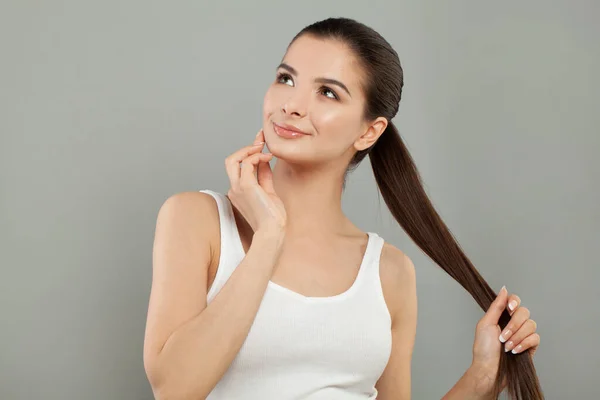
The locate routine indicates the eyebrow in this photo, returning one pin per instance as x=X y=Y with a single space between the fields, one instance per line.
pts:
x=330 y=81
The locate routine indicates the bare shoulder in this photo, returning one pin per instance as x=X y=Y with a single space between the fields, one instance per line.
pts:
x=188 y=224
x=190 y=204
x=189 y=213
x=398 y=278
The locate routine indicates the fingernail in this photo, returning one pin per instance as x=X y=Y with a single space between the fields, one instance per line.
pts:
x=258 y=143
x=504 y=335
x=517 y=349
x=509 y=345
x=512 y=305
x=503 y=288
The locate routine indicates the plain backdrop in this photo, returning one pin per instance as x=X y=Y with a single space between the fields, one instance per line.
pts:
x=109 y=107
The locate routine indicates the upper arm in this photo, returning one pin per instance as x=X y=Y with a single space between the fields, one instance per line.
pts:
x=180 y=260
x=399 y=285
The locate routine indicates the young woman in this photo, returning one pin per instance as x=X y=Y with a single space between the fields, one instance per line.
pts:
x=271 y=292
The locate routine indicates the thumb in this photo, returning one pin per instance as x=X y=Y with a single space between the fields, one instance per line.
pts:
x=496 y=309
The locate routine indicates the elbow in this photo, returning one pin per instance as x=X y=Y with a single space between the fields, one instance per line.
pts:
x=163 y=390
x=175 y=392
x=166 y=387
x=164 y=393
x=154 y=378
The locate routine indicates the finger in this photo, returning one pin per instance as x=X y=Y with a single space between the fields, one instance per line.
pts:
x=517 y=320
x=232 y=162
x=530 y=342
x=496 y=309
x=248 y=168
x=239 y=155
x=528 y=328
x=260 y=137
x=514 y=302
x=264 y=176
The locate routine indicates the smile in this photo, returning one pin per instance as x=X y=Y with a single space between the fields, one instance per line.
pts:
x=288 y=132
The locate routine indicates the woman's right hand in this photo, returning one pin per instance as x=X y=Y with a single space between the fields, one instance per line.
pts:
x=251 y=190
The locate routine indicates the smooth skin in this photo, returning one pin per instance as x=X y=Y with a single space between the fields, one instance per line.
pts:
x=189 y=344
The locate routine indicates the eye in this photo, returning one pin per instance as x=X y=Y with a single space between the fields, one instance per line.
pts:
x=325 y=90
x=282 y=77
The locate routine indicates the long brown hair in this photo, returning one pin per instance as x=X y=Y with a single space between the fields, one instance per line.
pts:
x=400 y=184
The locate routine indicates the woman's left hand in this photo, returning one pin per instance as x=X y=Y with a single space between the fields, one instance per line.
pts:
x=518 y=336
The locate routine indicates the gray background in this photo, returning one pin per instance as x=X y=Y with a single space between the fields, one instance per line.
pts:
x=109 y=107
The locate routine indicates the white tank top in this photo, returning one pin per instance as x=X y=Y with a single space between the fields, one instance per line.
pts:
x=314 y=348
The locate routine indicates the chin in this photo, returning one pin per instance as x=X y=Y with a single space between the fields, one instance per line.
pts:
x=284 y=151
x=289 y=152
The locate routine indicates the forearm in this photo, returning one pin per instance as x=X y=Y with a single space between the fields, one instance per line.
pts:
x=197 y=355
x=468 y=387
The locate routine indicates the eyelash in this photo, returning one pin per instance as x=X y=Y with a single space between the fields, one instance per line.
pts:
x=323 y=88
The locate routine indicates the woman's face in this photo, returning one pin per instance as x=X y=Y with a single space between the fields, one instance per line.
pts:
x=317 y=90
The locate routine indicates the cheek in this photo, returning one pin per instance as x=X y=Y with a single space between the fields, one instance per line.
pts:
x=335 y=122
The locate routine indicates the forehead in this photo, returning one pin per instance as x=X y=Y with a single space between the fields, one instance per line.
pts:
x=327 y=58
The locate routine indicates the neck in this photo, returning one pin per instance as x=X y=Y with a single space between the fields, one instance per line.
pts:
x=312 y=198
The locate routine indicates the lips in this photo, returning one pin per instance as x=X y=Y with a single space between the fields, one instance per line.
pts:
x=290 y=128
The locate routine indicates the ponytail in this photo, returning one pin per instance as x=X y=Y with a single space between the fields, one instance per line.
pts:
x=401 y=188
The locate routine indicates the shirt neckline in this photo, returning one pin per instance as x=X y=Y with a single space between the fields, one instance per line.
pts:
x=309 y=299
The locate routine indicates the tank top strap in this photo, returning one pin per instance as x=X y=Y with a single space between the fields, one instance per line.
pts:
x=373 y=289
x=373 y=254
x=369 y=270
x=229 y=257
x=226 y=216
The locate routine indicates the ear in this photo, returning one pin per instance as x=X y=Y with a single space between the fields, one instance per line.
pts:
x=374 y=130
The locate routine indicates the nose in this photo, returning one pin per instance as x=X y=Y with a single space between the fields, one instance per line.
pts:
x=295 y=105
